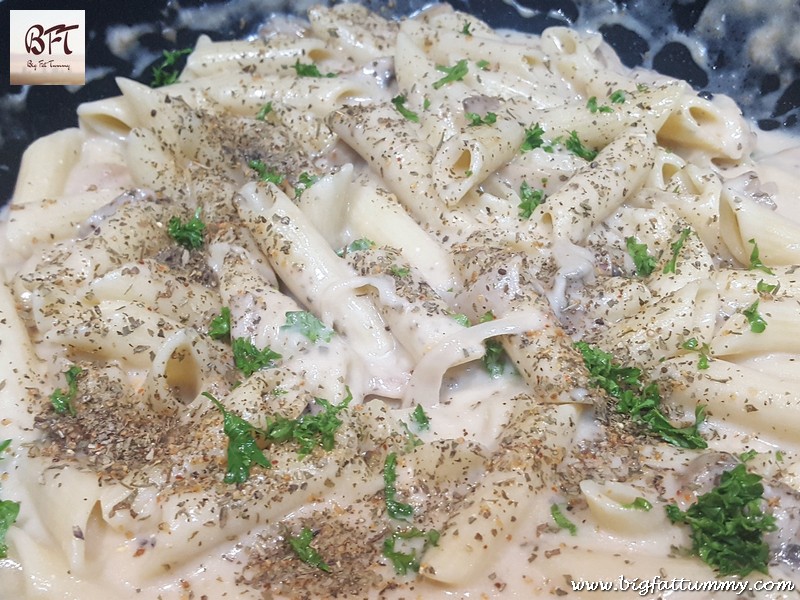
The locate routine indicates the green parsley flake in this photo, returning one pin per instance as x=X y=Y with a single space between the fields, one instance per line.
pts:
x=749 y=455
x=703 y=349
x=301 y=545
x=533 y=139
x=243 y=449
x=420 y=418
x=757 y=322
x=309 y=70
x=639 y=504
x=767 y=289
x=309 y=325
x=617 y=97
x=728 y=524
x=483 y=65
x=672 y=264
x=167 y=72
x=466 y=29
x=403 y=562
x=220 y=326
x=399 y=271
x=264 y=111
x=755 y=261
x=399 y=103
x=494 y=357
x=61 y=400
x=638 y=399
x=593 y=107
x=265 y=173
x=395 y=508
x=461 y=319
x=357 y=246
x=530 y=199
x=645 y=263
x=454 y=73
x=189 y=235
x=304 y=181
x=562 y=521
x=9 y=511
x=249 y=359
x=308 y=430
x=474 y=119
x=574 y=145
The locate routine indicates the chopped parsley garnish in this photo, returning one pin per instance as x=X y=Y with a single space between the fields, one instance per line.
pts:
x=356 y=246
x=755 y=261
x=574 y=145
x=494 y=357
x=220 y=326
x=399 y=103
x=639 y=504
x=412 y=439
x=593 y=107
x=562 y=521
x=466 y=29
x=769 y=289
x=474 y=119
x=399 y=271
x=9 y=511
x=309 y=430
x=644 y=261
x=426 y=104
x=301 y=545
x=249 y=359
x=703 y=349
x=529 y=200
x=309 y=70
x=243 y=449
x=749 y=455
x=395 y=508
x=403 y=562
x=191 y=234
x=265 y=173
x=304 y=181
x=309 y=325
x=62 y=400
x=533 y=138
x=454 y=73
x=637 y=398
x=757 y=322
x=676 y=246
x=461 y=319
x=420 y=418
x=167 y=72
x=728 y=524
x=617 y=97
x=482 y=64
x=264 y=111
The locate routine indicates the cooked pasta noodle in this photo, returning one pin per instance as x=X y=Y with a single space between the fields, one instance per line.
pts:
x=312 y=321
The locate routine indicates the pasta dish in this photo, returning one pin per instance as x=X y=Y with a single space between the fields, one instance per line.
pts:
x=403 y=309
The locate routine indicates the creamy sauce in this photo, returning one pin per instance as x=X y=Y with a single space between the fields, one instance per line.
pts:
x=466 y=407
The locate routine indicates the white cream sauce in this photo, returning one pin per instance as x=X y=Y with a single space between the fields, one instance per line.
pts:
x=471 y=406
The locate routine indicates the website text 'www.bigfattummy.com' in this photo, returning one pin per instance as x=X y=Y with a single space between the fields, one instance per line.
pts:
x=655 y=585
